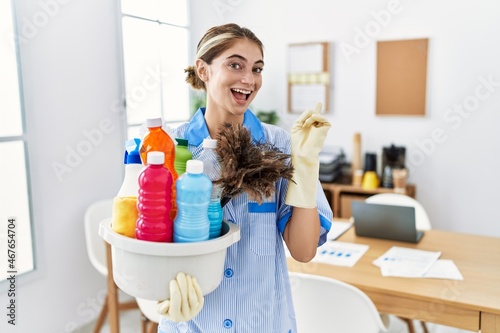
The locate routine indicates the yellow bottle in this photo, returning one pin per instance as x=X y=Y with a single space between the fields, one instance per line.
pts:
x=370 y=180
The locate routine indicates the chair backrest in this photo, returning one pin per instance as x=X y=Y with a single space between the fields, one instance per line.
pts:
x=421 y=218
x=96 y=248
x=328 y=305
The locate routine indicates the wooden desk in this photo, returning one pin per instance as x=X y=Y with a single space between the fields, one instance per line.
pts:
x=472 y=304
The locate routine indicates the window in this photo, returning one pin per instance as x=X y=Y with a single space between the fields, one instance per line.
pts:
x=15 y=200
x=155 y=53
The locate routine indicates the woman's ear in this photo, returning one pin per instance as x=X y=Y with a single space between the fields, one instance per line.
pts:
x=201 y=69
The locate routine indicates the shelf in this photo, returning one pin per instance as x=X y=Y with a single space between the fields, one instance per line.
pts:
x=351 y=193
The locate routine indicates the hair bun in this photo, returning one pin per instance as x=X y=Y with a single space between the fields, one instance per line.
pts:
x=193 y=79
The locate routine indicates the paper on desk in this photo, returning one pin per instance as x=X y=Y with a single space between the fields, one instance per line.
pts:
x=340 y=253
x=406 y=262
x=337 y=229
x=444 y=269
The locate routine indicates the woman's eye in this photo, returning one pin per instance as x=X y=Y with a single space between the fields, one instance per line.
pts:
x=258 y=70
x=235 y=65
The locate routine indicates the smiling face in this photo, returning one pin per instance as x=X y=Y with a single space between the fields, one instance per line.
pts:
x=232 y=80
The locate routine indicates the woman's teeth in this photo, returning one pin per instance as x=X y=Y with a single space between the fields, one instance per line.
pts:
x=246 y=92
x=241 y=94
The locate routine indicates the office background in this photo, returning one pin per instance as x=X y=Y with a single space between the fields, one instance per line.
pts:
x=72 y=77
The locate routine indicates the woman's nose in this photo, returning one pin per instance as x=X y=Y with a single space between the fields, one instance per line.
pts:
x=248 y=78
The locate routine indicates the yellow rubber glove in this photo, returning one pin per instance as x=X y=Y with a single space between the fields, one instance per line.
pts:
x=186 y=299
x=308 y=136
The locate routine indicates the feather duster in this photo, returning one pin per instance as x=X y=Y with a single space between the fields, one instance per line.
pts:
x=248 y=167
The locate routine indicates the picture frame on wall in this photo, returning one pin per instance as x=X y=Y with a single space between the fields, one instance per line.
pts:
x=308 y=76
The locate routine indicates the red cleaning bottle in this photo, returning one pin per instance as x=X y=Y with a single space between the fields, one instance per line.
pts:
x=158 y=140
x=154 y=202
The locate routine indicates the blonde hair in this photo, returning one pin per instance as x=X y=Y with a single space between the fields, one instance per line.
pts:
x=215 y=41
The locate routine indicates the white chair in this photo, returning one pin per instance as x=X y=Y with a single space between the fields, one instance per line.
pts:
x=100 y=256
x=422 y=223
x=328 y=305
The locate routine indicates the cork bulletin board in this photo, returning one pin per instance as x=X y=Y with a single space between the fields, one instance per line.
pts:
x=401 y=77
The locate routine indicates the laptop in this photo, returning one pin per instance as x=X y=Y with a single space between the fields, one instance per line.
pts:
x=385 y=221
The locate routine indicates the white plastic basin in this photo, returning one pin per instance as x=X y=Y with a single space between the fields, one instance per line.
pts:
x=144 y=269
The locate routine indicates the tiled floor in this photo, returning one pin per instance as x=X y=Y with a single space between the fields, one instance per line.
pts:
x=130 y=322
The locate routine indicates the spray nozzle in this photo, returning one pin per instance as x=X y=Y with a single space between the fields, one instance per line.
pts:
x=132 y=155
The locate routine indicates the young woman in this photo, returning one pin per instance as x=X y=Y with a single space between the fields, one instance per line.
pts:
x=254 y=295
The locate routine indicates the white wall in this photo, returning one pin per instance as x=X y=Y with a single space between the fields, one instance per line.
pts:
x=70 y=65
x=457 y=179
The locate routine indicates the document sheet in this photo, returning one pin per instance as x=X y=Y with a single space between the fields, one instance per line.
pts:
x=406 y=262
x=337 y=229
x=340 y=253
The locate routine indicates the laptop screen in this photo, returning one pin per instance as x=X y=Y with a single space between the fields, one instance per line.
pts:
x=385 y=221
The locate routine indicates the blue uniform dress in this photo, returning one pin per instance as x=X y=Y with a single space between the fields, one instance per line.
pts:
x=254 y=295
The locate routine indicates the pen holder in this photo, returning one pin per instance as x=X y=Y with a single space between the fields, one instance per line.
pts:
x=399 y=180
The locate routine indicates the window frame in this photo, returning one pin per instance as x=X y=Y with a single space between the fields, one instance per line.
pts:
x=34 y=272
x=134 y=126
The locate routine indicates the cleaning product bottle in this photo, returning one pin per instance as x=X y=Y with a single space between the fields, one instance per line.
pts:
x=158 y=140
x=182 y=155
x=211 y=167
x=193 y=196
x=125 y=213
x=154 y=201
